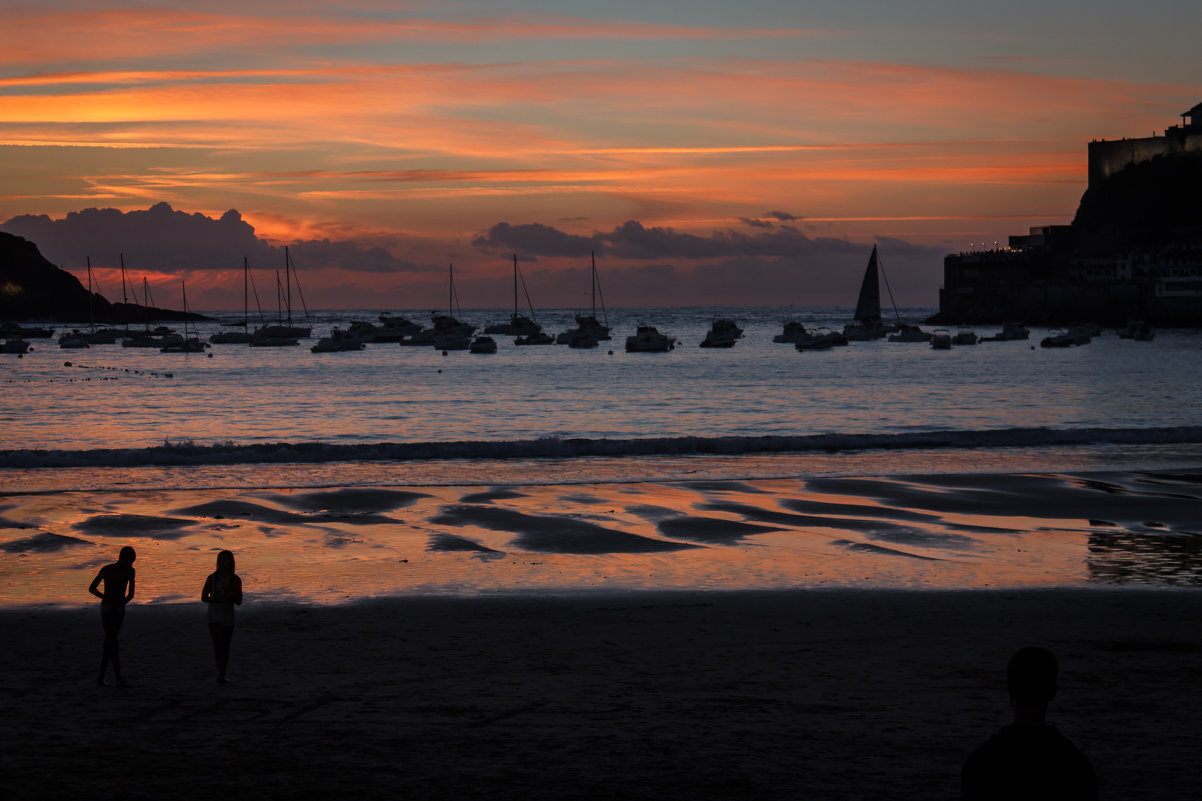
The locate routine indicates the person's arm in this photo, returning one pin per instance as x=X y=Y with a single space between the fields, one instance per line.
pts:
x=129 y=595
x=96 y=583
x=206 y=593
x=237 y=591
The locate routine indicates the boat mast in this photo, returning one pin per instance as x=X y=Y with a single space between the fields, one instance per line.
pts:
x=515 y=288
x=288 y=284
x=881 y=267
x=184 y=291
x=145 y=304
x=245 y=298
x=91 y=318
x=124 y=297
x=596 y=289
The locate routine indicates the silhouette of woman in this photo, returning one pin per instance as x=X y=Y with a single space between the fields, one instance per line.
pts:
x=222 y=591
x=118 y=580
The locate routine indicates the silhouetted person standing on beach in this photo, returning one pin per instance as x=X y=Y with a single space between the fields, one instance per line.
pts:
x=118 y=580
x=222 y=592
x=1029 y=759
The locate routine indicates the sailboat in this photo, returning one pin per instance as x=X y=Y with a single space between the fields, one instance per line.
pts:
x=238 y=337
x=283 y=332
x=588 y=331
x=519 y=324
x=449 y=333
x=160 y=337
x=868 y=324
x=186 y=344
x=84 y=339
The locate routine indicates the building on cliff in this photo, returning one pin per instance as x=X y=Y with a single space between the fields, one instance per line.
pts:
x=1133 y=250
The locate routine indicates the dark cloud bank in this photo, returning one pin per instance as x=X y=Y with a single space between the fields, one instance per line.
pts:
x=164 y=239
x=770 y=261
x=776 y=264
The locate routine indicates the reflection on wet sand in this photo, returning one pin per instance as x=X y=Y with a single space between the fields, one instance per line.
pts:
x=938 y=531
x=1145 y=557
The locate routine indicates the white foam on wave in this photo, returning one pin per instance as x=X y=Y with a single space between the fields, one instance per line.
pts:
x=191 y=453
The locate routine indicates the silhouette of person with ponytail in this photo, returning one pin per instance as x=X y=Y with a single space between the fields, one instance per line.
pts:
x=222 y=592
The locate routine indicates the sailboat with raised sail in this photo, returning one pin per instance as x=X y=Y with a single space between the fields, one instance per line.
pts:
x=519 y=324
x=588 y=331
x=868 y=324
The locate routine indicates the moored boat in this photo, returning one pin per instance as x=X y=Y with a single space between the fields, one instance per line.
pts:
x=648 y=339
x=1010 y=331
x=14 y=344
x=910 y=333
x=483 y=344
x=588 y=327
x=965 y=336
x=820 y=338
x=519 y=324
x=1137 y=330
x=723 y=333
x=336 y=342
x=868 y=324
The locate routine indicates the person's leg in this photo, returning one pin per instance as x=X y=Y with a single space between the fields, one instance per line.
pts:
x=111 y=619
x=221 y=647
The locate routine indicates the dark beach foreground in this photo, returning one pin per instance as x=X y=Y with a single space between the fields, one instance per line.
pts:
x=649 y=695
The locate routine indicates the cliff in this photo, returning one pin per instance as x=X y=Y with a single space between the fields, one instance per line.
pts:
x=31 y=288
x=1152 y=204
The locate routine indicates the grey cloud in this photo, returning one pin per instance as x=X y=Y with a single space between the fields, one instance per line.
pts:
x=169 y=240
x=535 y=239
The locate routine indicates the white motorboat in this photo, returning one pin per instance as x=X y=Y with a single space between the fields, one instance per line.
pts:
x=965 y=336
x=337 y=341
x=791 y=332
x=941 y=339
x=1010 y=331
x=14 y=344
x=537 y=338
x=910 y=333
x=483 y=344
x=1058 y=338
x=1137 y=330
x=723 y=333
x=820 y=338
x=648 y=339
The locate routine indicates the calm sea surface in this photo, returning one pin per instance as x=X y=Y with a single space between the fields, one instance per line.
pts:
x=405 y=470
x=111 y=416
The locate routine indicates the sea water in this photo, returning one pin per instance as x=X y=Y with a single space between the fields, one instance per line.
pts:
x=110 y=416
x=92 y=442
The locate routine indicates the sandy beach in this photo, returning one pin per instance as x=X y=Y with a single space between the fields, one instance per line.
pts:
x=779 y=694
x=822 y=638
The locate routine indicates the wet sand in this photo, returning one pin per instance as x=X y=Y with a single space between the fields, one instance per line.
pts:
x=335 y=545
x=822 y=638
x=648 y=695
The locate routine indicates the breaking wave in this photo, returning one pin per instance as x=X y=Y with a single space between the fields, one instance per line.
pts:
x=191 y=453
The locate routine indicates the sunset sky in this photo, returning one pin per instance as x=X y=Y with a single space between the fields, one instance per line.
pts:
x=709 y=153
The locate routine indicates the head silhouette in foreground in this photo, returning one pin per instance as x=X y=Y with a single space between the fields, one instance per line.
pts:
x=118 y=581
x=222 y=591
x=1029 y=759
